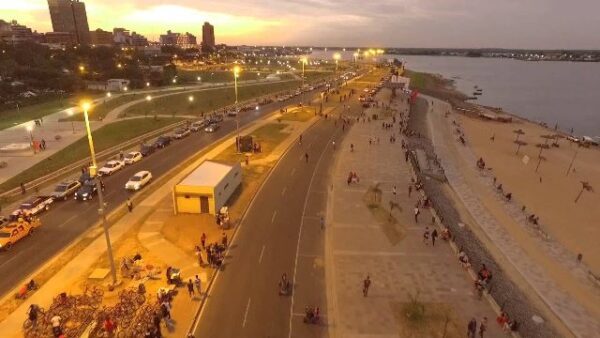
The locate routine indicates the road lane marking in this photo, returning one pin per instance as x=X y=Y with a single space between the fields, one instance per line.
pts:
x=273 y=217
x=246 y=314
x=262 y=252
x=312 y=178
x=283 y=191
x=67 y=221
x=293 y=171
x=10 y=260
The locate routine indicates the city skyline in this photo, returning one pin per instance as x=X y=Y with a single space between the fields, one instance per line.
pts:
x=536 y=24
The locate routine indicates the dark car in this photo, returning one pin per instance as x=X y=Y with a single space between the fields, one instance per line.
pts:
x=84 y=177
x=146 y=150
x=162 y=141
x=87 y=191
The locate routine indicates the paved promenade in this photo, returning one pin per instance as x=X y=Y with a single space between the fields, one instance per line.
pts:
x=581 y=322
x=361 y=242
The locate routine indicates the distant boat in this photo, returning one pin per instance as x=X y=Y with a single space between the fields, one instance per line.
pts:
x=477 y=93
x=479 y=90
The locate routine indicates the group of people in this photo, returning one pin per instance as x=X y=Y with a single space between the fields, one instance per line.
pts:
x=481 y=163
x=506 y=323
x=352 y=178
x=484 y=276
x=215 y=252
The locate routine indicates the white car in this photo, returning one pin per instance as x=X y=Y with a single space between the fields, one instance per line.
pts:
x=111 y=167
x=198 y=125
x=139 y=180
x=133 y=157
x=211 y=128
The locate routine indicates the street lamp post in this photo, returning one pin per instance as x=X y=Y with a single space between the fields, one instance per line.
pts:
x=101 y=210
x=236 y=73
x=336 y=57
x=304 y=62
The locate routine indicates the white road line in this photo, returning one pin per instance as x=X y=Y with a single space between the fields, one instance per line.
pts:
x=312 y=178
x=273 y=217
x=262 y=252
x=67 y=221
x=246 y=314
x=283 y=191
x=293 y=171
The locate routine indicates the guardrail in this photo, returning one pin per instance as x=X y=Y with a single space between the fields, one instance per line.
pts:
x=37 y=183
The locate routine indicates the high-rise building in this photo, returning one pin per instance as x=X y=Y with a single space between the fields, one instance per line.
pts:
x=101 y=37
x=70 y=16
x=208 y=38
x=122 y=36
x=186 y=40
x=12 y=32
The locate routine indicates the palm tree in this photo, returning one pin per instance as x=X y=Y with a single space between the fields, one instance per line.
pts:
x=585 y=186
x=519 y=132
x=519 y=144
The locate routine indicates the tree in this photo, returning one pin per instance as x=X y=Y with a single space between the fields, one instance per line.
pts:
x=519 y=132
x=585 y=186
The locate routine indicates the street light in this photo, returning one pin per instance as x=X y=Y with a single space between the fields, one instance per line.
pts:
x=355 y=56
x=108 y=94
x=336 y=57
x=147 y=84
x=236 y=74
x=174 y=81
x=191 y=98
x=86 y=106
x=304 y=61
x=29 y=128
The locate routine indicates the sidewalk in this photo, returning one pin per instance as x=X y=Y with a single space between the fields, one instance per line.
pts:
x=575 y=316
x=152 y=214
x=363 y=241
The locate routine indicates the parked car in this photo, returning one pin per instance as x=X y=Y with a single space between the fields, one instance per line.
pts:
x=65 y=189
x=16 y=231
x=181 y=133
x=147 y=150
x=162 y=141
x=216 y=119
x=34 y=205
x=232 y=113
x=87 y=191
x=211 y=128
x=198 y=125
x=111 y=167
x=132 y=157
x=139 y=180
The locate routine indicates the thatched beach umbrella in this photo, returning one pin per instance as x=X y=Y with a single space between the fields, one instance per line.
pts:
x=542 y=146
x=519 y=144
x=585 y=186
x=519 y=132
x=573 y=159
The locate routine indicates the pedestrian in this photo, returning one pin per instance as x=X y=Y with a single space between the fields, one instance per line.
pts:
x=129 y=204
x=417 y=212
x=203 y=240
x=224 y=239
x=190 y=287
x=198 y=283
x=394 y=191
x=322 y=223
x=166 y=310
x=434 y=236
x=306 y=157
x=351 y=147
x=471 y=328
x=482 y=327
x=156 y=321
x=43 y=144
x=23 y=191
x=56 y=329
x=121 y=155
x=366 y=285
x=426 y=236
x=409 y=189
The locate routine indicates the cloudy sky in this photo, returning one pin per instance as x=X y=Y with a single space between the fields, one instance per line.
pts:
x=377 y=23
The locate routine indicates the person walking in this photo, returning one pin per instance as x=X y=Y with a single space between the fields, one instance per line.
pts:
x=203 y=240
x=409 y=189
x=426 y=236
x=198 y=283
x=434 y=235
x=129 y=204
x=482 y=327
x=224 y=239
x=322 y=223
x=156 y=321
x=394 y=191
x=306 y=157
x=417 y=212
x=366 y=286
x=471 y=328
x=23 y=190
x=199 y=254
x=43 y=144
x=190 y=288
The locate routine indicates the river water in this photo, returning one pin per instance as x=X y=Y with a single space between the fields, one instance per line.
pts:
x=567 y=93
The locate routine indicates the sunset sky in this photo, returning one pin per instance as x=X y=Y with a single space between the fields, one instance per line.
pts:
x=384 y=23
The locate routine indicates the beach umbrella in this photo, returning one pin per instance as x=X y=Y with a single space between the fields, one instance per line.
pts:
x=519 y=144
x=519 y=132
x=585 y=186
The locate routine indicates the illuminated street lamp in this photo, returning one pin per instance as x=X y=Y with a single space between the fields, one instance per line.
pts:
x=304 y=61
x=86 y=106
x=147 y=84
x=355 y=56
x=108 y=94
x=236 y=74
x=119 y=65
x=81 y=68
x=174 y=81
x=191 y=98
x=336 y=57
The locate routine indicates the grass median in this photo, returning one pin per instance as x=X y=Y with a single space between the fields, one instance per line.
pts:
x=104 y=138
x=205 y=100
x=298 y=114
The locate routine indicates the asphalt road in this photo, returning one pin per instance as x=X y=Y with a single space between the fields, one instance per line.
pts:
x=281 y=233
x=68 y=220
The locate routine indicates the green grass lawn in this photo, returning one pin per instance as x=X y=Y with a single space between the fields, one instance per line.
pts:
x=298 y=114
x=217 y=75
x=205 y=100
x=104 y=138
x=9 y=118
x=315 y=75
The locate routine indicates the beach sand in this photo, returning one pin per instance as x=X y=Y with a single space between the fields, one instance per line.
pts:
x=572 y=225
